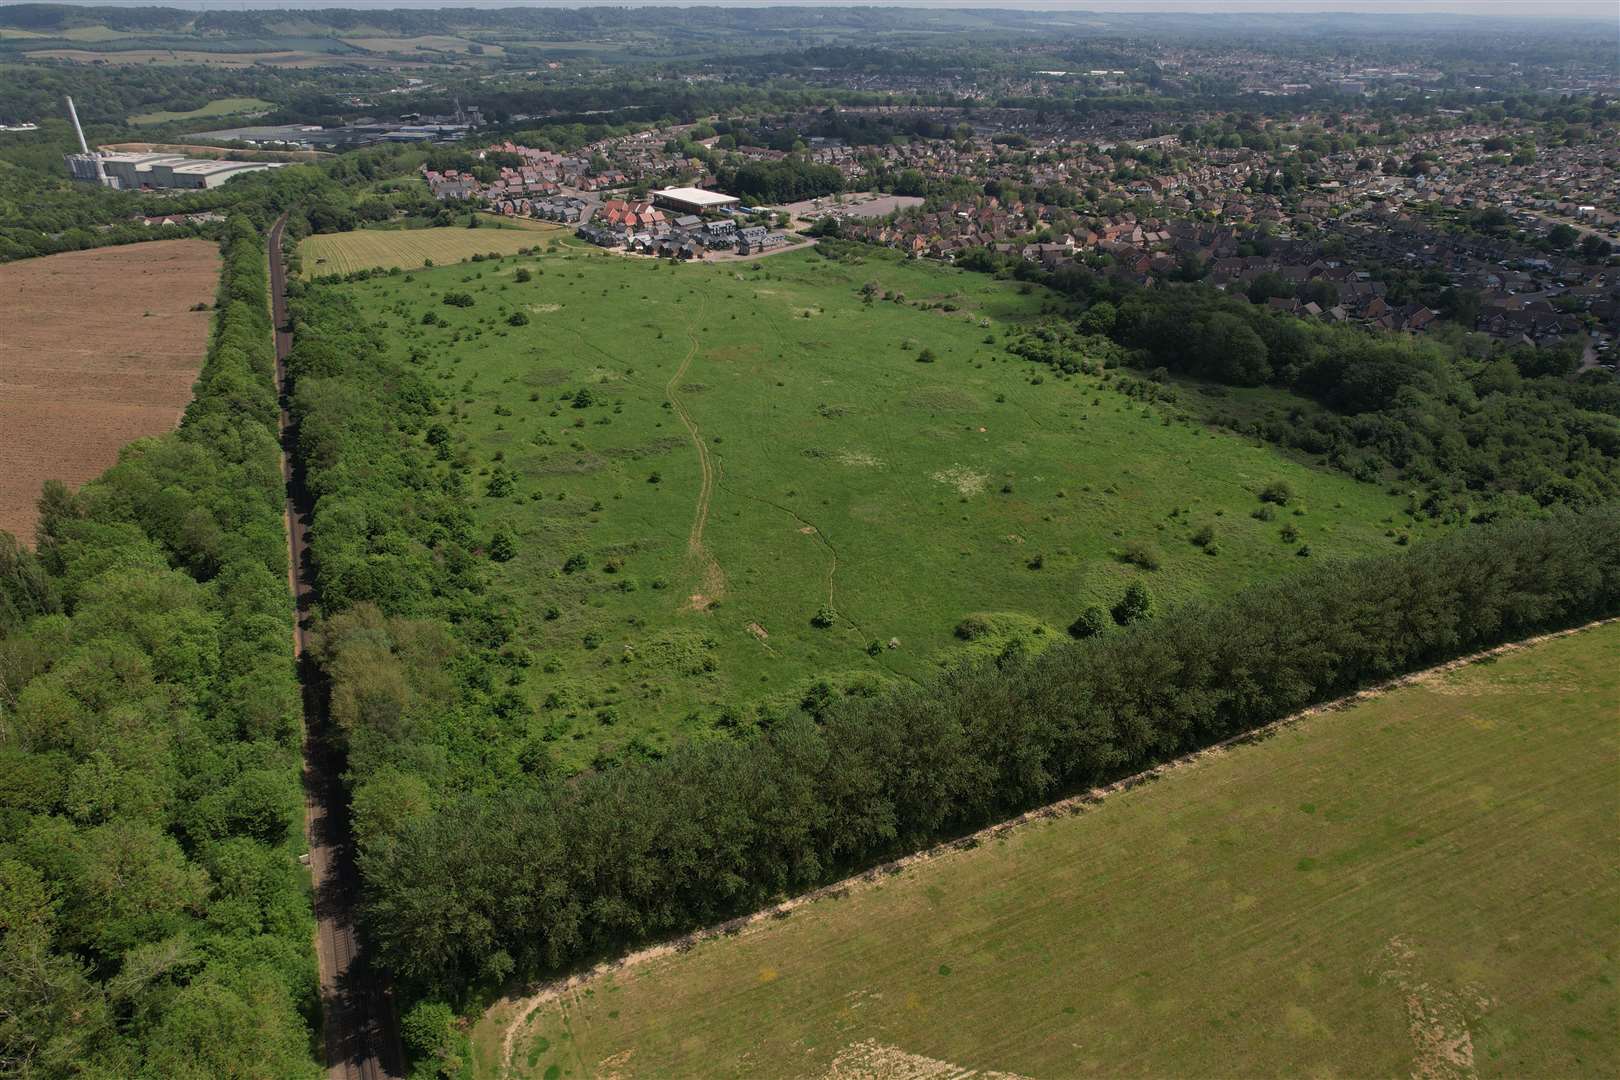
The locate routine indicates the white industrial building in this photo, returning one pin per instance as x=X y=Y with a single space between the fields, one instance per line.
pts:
x=133 y=171
x=693 y=200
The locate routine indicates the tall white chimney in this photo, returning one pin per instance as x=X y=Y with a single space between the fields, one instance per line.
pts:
x=84 y=147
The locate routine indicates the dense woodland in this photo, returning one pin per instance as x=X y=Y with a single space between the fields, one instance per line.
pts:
x=1470 y=428
x=154 y=920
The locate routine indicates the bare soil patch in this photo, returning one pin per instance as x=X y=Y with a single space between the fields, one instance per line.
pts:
x=872 y=1060
x=99 y=348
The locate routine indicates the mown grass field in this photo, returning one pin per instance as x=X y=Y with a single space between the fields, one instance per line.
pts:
x=762 y=445
x=1422 y=884
x=217 y=107
x=373 y=249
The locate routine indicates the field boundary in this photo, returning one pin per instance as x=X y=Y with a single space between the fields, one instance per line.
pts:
x=525 y=1007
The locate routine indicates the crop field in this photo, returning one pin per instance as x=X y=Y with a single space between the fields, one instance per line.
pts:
x=99 y=348
x=426 y=44
x=1423 y=883
x=287 y=58
x=371 y=249
x=217 y=107
x=727 y=484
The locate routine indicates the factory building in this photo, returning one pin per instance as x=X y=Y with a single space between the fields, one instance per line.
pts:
x=133 y=171
x=691 y=200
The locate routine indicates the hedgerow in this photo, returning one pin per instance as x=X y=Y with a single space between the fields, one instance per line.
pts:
x=536 y=874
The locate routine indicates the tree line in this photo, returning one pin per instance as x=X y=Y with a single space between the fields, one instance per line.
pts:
x=532 y=876
x=154 y=920
x=1471 y=428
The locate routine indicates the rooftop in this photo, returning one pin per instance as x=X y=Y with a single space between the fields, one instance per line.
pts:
x=696 y=196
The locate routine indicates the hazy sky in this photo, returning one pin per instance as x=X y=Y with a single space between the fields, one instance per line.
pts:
x=1608 y=10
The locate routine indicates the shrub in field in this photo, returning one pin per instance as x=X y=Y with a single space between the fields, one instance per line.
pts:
x=823 y=618
x=1091 y=622
x=517 y=318
x=1142 y=554
x=458 y=299
x=1278 y=491
x=502 y=548
x=1134 y=606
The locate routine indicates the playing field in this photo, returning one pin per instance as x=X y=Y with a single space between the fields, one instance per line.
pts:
x=1424 y=884
x=97 y=348
x=726 y=483
x=372 y=249
x=217 y=107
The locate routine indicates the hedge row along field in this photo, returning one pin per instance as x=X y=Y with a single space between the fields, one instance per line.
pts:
x=154 y=921
x=540 y=875
x=1290 y=904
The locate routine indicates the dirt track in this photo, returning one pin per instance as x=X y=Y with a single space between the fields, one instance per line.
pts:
x=97 y=349
x=713 y=582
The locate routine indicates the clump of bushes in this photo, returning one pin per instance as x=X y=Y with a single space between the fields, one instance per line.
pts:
x=1280 y=492
x=1142 y=554
x=1134 y=606
x=1091 y=622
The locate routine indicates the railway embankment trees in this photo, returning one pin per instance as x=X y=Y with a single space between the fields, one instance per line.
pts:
x=154 y=920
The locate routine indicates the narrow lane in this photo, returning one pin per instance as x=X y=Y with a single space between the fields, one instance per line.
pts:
x=362 y=1038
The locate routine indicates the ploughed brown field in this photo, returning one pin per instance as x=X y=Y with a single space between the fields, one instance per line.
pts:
x=97 y=348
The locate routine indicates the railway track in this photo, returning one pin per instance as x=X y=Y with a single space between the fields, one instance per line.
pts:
x=361 y=1035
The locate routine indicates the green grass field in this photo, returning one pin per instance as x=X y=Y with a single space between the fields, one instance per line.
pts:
x=379 y=249
x=217 y=107
x=763 y=446
x=1422 y=884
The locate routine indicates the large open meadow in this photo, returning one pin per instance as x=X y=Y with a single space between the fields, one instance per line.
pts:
x=97 y=349
x=1423 y=884
x=724 y=483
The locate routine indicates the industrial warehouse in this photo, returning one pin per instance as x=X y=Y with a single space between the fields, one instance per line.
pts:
x=134 y=171
x=691 y=200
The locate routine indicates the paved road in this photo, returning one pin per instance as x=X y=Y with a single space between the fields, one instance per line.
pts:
x=362 y=1038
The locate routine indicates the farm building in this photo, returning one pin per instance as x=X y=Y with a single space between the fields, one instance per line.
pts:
x=689 y=200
